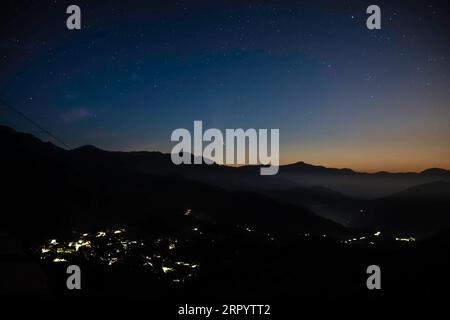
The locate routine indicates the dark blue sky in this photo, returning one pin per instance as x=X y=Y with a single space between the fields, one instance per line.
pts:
x=340 y=94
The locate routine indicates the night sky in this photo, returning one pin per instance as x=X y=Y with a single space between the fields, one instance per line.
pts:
x=341 y=95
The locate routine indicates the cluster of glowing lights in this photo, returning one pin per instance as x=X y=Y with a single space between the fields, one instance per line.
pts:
x=354 y=239
x=112 y=247
x=90 y=246
x=371 y=239
x=409 y=239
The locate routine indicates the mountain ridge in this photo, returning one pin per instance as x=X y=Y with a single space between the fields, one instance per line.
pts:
x=322 y=196
x=296 y=166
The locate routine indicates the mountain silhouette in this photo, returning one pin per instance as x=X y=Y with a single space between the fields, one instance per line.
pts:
x=90 y=181
x=433 y=191
x=302 y=167
x=345 y=181
x=49 y=189
x=49 y=192
x=421 y=210
x=359 y=184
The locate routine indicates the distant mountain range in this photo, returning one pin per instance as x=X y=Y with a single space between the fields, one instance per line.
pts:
x=291 y=176
x=360 y=184
x=49 y=189
x=88 y=181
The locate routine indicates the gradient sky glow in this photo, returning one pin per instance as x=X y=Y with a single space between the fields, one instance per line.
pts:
x=341 y=95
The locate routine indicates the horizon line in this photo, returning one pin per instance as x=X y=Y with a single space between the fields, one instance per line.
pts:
x=234 y=166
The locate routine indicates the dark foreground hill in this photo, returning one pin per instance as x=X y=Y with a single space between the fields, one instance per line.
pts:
x=420 y=210
x=145 y=235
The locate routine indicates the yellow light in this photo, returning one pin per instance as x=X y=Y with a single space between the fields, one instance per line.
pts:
x=167 y=269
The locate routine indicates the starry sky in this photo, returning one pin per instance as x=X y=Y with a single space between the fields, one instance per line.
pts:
x=341 y=95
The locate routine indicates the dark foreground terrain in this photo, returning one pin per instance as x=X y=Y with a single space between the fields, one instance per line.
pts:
x=161 y=239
